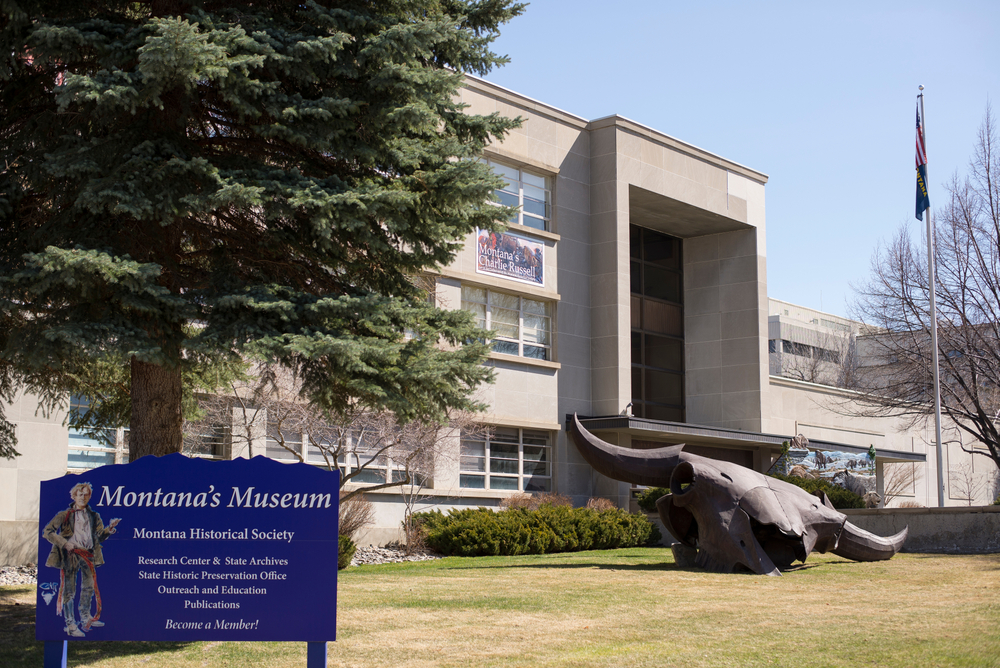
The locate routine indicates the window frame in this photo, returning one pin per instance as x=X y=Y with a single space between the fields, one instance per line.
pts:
x=271 y=443
x=486 y=473
x=381 y=466
x=522 y=184
x=656 y=316
x=87 y=444
x=487 y=321
x=217 y=435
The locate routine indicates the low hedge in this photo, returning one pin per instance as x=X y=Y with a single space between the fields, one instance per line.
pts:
x=483 y=532
x=647 y=498
x=840 y=497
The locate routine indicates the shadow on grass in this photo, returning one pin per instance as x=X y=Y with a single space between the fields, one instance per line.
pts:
x=574 y=565
x=18 y=647
x=938 y=555
x=660 y=567
x=586 y=564
x=991 y=559
x=801 y=567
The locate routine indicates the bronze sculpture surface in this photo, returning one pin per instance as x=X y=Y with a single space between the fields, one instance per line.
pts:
x=737 y=518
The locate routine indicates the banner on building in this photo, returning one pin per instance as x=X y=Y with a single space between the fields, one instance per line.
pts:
x=510 y=256
x=172 y=548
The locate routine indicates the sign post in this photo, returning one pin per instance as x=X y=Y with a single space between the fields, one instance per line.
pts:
x=181 y=549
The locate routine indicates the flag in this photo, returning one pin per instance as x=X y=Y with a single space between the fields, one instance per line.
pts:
x=923 y=201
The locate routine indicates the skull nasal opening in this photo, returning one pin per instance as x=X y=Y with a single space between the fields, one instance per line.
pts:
x=682 y=478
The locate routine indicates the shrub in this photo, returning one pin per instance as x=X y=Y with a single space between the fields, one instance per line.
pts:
x=996 y=501
x=428 y=519
x=549 y=528
x=345 y=551
x=356 y=512
x=839 y=497
x=519 y=500
x=534 y=501
x=553 y=499
x=647 y=499
x=599 y=503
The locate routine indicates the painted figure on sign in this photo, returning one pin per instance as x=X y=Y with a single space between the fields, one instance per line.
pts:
x=76 y=535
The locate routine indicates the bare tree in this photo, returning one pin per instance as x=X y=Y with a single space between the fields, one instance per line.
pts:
x=966 y=484
x=900 y=480
x=894 y=374
x=429 y=446
x=269 y=416
x=356 y=512
x=828 y=358
x=265 y=415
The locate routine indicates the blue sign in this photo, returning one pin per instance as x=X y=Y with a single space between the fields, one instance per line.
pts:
x=172 y=548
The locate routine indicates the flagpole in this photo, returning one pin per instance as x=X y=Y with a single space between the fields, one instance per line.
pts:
x=931 y=280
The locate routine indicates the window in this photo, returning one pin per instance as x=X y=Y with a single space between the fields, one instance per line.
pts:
x=804 y=350
x=282 y=443
x=657 y=316
x=366 y=457
x=374 y=463
x=207 y=441
x=522 y=326
x=321 y=448
x=89 y=450
x=528 y=191
x=510 y=459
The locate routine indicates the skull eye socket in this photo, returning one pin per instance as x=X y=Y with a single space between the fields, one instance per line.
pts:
x=682 y=479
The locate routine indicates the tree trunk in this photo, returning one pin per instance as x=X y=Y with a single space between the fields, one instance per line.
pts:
x=155 y=428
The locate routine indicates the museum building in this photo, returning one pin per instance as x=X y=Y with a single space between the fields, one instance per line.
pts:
x=630 y=289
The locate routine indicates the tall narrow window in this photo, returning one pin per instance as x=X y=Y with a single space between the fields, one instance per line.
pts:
x=657 y=325
x=530 y=192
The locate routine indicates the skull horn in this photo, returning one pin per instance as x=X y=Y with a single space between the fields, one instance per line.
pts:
x=860 y=545
x=640 y=467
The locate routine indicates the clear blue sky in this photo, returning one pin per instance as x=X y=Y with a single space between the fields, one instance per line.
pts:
x=818 y=96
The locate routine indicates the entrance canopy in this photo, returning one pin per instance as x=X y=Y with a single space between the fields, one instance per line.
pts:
x=671 y=433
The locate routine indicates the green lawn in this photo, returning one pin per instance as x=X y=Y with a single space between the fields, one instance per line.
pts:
x=630 y=607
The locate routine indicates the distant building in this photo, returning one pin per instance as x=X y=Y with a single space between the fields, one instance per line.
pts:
x=809 y=345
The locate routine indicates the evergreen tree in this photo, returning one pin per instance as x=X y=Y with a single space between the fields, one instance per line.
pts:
x=186 y=183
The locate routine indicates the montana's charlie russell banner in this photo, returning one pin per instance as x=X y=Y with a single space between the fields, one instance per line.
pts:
x=510 y=256
x=173 y=548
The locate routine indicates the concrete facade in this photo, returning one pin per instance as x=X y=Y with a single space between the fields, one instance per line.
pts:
x=942 y=530
x=605 y=179
x=43 y=443
x=609 y=174
x=806 y=348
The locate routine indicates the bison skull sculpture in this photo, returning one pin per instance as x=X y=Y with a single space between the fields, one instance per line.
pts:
x=737 y=518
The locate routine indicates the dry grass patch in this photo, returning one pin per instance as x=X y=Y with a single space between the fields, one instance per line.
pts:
x=631 y=608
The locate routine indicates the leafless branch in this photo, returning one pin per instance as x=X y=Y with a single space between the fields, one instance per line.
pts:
x=895 y=370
